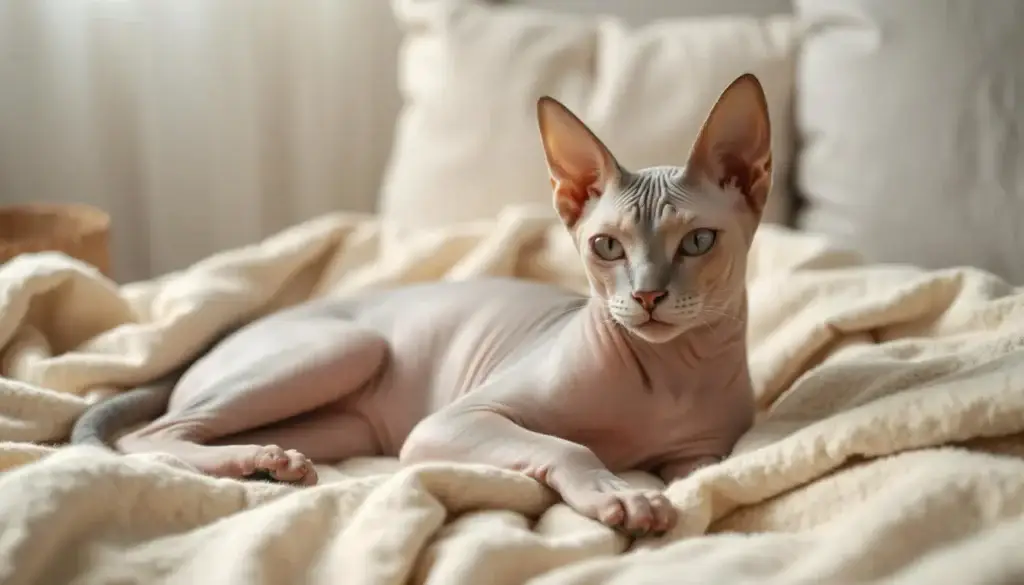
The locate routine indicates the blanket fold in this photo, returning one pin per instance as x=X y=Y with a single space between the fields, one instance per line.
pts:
x=888 y=447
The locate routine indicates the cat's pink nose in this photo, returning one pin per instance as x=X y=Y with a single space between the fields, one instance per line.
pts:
x=649 y=299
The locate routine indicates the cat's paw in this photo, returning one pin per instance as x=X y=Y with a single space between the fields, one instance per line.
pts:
x=612 y=501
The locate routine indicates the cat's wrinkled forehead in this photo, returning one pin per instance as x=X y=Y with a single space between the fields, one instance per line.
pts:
x=652 y=196
x=730 y=156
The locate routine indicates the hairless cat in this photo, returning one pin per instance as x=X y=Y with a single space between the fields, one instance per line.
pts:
x=648 y=371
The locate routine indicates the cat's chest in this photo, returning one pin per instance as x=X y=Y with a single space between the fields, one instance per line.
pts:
x=634 y=427
x=626 y=418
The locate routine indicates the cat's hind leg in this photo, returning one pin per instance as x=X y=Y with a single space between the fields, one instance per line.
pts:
x=328 y=435
x=266 y=375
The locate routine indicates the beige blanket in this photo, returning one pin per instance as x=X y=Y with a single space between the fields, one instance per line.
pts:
x=865 y=374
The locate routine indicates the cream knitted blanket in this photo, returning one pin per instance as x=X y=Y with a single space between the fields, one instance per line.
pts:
x=885 y=451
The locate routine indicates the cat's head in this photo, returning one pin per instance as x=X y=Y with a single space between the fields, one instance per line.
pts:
x=665 y=247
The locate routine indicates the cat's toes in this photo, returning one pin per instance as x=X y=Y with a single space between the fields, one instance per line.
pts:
x=636 y=512
x=611 y=501
x=288 y=466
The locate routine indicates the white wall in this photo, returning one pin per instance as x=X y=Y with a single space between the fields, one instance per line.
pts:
x=206 y=124
x=198 y=124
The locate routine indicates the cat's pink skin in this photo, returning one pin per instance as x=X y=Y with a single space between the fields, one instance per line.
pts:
x=648 y=372
x=439 y=372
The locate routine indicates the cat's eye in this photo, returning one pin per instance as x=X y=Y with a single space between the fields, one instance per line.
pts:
x=698 y=242
x=607 y=248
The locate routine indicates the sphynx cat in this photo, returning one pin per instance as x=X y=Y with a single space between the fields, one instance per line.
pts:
x=648 y=371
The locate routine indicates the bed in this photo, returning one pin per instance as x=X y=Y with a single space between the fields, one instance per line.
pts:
x=887 y=448
x=889 y=442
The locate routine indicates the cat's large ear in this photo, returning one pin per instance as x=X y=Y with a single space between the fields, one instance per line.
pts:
x=580 y=165
x=734 y=145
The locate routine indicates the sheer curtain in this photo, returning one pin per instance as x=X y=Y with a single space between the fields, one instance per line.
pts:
x=198 y=124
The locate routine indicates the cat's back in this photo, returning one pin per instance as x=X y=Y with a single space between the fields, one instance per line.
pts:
x=480 y=321
x=445 y=304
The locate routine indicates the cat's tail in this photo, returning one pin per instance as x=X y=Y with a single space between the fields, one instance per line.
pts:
x=99 y=424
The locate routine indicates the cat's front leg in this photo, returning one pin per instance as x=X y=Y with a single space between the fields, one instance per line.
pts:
x=479 y=435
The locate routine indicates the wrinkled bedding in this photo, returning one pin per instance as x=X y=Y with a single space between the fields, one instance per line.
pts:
x=888 y=448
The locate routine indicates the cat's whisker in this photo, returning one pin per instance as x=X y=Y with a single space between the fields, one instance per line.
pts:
x=617 y=324
x=720 y=309
x=704 y=322
x=726 y=316
x=718 y=319
x=719 y=313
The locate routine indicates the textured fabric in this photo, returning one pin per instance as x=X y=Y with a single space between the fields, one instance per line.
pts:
x=851 y=362
x=467 y=142
x=910 y=119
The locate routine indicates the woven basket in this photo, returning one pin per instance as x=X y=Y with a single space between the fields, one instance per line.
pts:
x=80 y=231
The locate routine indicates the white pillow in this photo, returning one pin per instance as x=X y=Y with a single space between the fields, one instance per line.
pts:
x=470 y=73
x=912 y=130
